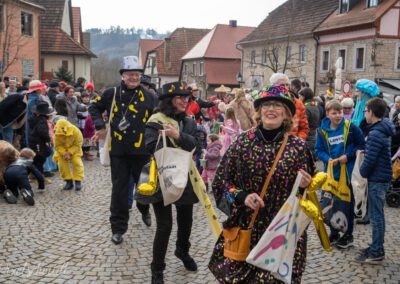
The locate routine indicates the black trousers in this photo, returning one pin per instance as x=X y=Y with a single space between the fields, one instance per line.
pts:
x=122 y=168
x=39 y=161
x=184 y=216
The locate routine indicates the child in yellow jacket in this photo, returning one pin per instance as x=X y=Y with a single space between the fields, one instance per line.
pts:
x=68 y=142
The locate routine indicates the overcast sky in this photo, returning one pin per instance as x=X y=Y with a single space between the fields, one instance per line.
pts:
x=167 y=15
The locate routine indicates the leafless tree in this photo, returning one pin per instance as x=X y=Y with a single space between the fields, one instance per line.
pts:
x=105 y=71
x=11 y=38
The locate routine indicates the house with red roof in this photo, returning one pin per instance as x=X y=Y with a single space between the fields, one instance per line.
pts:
x=62 y=41
x=163 y=63
x=284 y=42
x=145 y=45
x=366 y=35
x=215 y=60
x=19 y=39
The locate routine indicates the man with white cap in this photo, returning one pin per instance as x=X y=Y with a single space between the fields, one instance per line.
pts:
x=131 y=105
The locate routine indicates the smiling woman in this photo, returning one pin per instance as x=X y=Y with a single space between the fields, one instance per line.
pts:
x=241 y=175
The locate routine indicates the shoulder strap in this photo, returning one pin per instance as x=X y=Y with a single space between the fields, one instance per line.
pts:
x=347 y=125
x=266 y=183
x=112 y=105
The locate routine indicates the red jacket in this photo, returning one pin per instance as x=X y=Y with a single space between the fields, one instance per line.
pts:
x=300 y=122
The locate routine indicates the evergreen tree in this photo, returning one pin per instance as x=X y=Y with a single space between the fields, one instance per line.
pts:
x=63 y=74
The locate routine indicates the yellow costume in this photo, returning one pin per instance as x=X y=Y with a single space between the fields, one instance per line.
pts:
x=68 y=138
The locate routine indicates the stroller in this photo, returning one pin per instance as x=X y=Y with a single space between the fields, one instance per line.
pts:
x=393 y=194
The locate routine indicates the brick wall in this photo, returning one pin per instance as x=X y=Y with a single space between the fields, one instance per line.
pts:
x=382 y=67
x=25 y=49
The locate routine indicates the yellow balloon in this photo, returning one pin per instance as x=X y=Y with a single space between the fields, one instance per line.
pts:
x=312 y=208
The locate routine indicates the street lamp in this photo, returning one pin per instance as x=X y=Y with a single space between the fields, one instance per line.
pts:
x=239 y=78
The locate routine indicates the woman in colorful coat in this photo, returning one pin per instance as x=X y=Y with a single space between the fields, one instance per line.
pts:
x=240 y=178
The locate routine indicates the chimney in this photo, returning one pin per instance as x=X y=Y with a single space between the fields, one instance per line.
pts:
x=233 y=23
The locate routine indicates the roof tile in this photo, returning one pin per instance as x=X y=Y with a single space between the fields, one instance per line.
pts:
x=358 y=15
x=146 y=45
x=174 y=47
x=56 y=41
x=282 y=22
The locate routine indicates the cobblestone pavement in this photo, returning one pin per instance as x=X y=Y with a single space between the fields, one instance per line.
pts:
x=65 y=238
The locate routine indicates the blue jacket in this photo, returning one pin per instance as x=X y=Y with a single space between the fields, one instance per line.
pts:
x=377 y=166
x=336 y=148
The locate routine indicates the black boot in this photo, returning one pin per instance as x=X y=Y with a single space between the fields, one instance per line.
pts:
x=187 y=260
x=157 y=275
x=68 y=185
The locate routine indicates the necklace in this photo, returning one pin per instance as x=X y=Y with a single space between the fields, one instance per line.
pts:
x=122 y=104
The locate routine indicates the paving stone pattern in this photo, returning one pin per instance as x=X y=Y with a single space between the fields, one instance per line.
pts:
x=65 y=238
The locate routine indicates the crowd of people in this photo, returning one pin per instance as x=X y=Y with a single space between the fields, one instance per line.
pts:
x=235 y=136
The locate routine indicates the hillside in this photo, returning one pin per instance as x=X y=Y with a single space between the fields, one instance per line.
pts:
x=110 y=45
x=116 y=42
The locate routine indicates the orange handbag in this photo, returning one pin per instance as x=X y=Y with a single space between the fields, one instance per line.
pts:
x=236 y=239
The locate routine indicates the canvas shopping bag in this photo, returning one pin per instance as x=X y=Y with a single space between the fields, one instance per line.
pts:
x=275 y=250
x=104 y=151
x=360 y=187
x=338 y=188
x=173 y=166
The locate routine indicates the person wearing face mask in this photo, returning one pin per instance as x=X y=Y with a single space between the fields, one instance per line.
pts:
x=131 y=106
x=182 y=133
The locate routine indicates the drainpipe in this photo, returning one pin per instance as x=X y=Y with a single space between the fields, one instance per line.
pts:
x=316 y=38
x=241 y=62
x=74 y=62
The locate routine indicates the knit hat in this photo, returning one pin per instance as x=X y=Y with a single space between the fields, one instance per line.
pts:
x=347 y=102
x=276 y=93
x=90 y=86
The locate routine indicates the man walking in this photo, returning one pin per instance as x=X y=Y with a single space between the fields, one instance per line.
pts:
x=131 y=105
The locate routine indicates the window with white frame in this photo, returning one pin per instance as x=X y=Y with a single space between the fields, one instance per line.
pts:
x=26 y=24
x=325 y=56
x=194 y=69
x=264 y=56
x=359 y=58
x=344 y=6
x=397 y=58
x=302 y=53
x=253 y=57
x=201 y=68
x=185 y=69
x=342 y=52
x=288 y=54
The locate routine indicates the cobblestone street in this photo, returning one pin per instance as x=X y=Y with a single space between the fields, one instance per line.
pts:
x=65 y=238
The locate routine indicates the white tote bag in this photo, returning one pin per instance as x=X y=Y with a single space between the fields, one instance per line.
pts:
x=103 y=149
x=173 y=166
x=360 y=187
x=276 y=248
x=104 y=145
